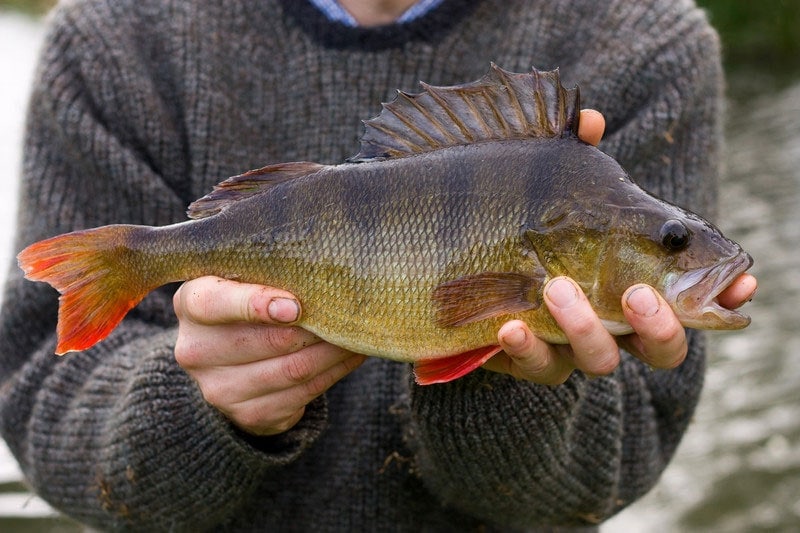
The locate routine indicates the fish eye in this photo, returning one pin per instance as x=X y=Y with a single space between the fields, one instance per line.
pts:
x=675 y=236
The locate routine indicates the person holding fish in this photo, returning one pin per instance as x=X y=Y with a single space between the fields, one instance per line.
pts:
x=540 y=292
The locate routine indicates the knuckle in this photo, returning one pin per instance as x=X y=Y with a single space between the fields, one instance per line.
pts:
x=251 y=307
x=665 y=349
x=183 y=302
x=249 y=420
x=604 y=363
x=192 y=304
x=317 y=386
x=538 y=368
x=177 y=301
x=550 y=375
x=298 y=369
x=287 y=423
x=532 y=366
x=582 y=326
x=677 y=359
x=188 y=354
x=664 y=335
x=280 y=340
x=214 y=392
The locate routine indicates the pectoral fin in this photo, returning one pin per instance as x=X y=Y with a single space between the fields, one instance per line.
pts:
x=485 y=295
x=444 y=369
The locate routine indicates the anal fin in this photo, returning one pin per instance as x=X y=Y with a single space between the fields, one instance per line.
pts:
x=444 y=369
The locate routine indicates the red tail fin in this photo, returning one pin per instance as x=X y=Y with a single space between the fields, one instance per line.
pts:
x=97 y=287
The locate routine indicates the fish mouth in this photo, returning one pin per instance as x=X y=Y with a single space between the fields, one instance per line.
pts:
x=694 y=295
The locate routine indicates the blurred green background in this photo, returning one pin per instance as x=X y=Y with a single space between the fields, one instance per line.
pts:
x=33 y=7
x=757 y=34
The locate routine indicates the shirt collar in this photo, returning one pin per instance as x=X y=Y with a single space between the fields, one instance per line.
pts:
x=335 y=12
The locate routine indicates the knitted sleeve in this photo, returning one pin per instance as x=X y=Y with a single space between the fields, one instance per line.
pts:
x=520 y=454
x=104 y=145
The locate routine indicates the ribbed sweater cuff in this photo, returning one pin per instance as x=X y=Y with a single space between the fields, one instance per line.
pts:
x=163 y=426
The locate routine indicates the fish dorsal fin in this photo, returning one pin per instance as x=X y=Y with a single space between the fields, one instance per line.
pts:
x=249 y=184
x=500 y=105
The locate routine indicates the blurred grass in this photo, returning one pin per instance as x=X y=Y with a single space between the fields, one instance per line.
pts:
x=31 y=7
x=757 y=35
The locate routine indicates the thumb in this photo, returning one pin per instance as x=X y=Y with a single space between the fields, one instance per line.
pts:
x=213 y=300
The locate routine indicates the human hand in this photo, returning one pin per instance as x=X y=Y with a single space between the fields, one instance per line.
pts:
x=236 y=341
x=658 y=338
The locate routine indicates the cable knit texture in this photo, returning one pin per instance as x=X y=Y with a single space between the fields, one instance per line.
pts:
x=142 y=106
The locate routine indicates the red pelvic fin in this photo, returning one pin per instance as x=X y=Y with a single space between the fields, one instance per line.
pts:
x=444 y=369
x=96 y=290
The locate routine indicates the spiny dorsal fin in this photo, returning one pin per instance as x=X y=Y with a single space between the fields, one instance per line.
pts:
x=500 y=105
x=248 y=184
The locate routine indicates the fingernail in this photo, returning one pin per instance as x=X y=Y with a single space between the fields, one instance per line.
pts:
x=643 y=301
x=515 y=338
x=283 y=310
x=562 y=293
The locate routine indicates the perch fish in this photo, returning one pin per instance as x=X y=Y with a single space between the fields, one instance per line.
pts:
x=461 y=204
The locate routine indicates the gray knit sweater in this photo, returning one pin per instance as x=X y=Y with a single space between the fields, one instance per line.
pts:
x=142 y=106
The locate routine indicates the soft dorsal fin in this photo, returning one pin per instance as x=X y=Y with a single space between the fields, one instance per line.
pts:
x=500 y=105
x=248 y=184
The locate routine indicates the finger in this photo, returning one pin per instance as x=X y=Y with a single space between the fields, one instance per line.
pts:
x=278 y=411
x=595 y=350
x=278 y=426
x=591 y=126
x=227 y=386
x=527 y=357
x=200 y=346
x=660 y=340
x=212 y=300
x=739 y=292
x=286 y=371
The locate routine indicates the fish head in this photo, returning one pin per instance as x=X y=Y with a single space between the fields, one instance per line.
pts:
x=683 y=256
x=701 y=264
x=608 y=234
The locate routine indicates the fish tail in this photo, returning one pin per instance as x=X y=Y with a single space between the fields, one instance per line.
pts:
x=98 y=282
